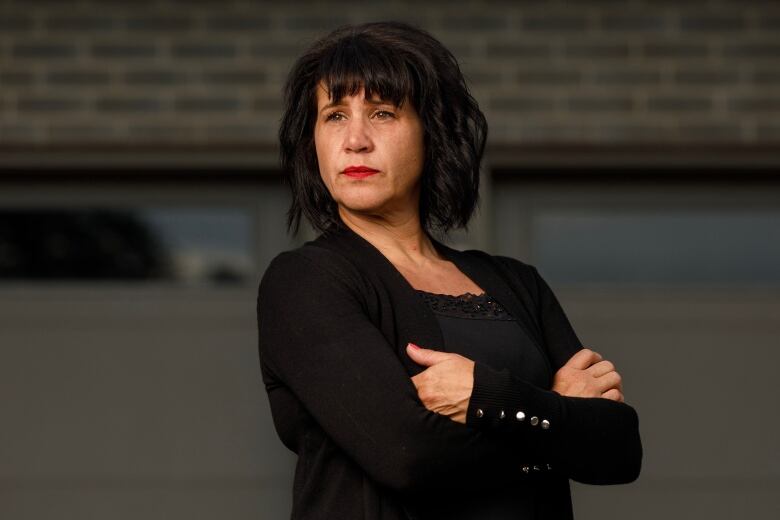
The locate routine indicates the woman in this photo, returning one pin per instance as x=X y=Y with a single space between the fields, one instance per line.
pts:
x=414 y=380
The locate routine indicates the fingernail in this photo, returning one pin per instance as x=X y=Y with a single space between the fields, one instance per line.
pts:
x=413 y=346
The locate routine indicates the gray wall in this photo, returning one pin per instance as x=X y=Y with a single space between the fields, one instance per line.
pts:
x=144 y=400
x=171 y=71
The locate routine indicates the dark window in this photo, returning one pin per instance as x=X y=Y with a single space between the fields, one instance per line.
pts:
x=186 y=244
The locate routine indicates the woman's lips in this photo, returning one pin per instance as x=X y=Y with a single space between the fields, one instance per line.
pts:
x=359 y=172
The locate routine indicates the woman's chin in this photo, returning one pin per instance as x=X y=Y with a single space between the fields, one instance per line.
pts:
x=362 y=204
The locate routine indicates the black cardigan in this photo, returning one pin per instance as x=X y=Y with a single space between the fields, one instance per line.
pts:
x=334 y=318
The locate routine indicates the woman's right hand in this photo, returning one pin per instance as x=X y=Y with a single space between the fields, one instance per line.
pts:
x=588 y=374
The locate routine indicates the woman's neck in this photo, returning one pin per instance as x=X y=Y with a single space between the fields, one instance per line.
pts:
x=402 y=240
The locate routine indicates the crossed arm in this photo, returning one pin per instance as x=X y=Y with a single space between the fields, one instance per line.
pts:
x=446 y=386
x=316 y=339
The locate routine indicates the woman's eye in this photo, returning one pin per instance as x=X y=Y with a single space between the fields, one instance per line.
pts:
x=335 y=116
x=384 y=114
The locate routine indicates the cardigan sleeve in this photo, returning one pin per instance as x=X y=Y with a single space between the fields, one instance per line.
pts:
x=594 y=440
x=316 y=338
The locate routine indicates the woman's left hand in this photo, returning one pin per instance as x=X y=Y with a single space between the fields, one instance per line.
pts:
x=445 y=386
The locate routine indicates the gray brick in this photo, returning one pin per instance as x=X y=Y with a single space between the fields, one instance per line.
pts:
x=720 y=23
x=128 y=104
x=535 y=133
x=518 y=50
x=521 y=104
x=267 y=104
x=251 y=76
x=81 y=132
x=554 y=23
x=77 y=77
x=624 y=76
x=675 y=50
x=633 y=132
x=15 y=133
x=162 y=132
x=599 y=104
x=207 y=104
x=12 y=24
x=159 y=23
x=43 y=50
x=767 y=76
x=645 y=23
x=769 y=23
x=254 y=132
x=155 y=77
x=184 y=86
x=752 y=50
x=762 y=104
x=482 y=77
x=315 y=23
x=707 y=76
x=462 y=49
x=425 y=18
x=48 y=104
x=597 y=50
x=80 y=23
x=710 y=132
x=16 y=78
x=679 y=103
x=474 y=22
x=124 y=50
x=275 y=50
x=238 y=23
x=548 y=77
x=768 y=131
x=204 y=50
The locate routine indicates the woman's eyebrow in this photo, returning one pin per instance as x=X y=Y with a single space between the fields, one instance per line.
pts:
x=339 y=103
x=331 y=105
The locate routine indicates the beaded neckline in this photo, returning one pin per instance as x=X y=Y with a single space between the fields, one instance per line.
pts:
x=466 y=305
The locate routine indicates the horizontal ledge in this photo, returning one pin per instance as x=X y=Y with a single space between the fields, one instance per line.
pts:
x=254 y=159
x=150 y=481
x=655 y=156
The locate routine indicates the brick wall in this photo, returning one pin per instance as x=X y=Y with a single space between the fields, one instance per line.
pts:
x=586 y=71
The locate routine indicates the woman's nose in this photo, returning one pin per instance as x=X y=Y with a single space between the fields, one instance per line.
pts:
x=358 y=138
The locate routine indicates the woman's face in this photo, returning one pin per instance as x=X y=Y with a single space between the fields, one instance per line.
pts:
x=370 y=133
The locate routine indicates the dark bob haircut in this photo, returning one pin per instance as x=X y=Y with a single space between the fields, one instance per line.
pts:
x=396 y=62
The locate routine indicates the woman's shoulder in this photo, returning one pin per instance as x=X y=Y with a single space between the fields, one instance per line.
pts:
x=308 y=264
x=517 y=273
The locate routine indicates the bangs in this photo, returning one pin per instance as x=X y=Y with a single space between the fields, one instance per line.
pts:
x=356 y=63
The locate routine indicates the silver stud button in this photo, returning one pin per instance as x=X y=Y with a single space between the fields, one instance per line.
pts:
x=537 y=468
x=501 y=414
x=526 y=469
x=520 y=416
x=545 y=424
x=479 y=412
x=534 y=420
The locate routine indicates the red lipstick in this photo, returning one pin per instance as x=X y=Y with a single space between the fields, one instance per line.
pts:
x=359 y=172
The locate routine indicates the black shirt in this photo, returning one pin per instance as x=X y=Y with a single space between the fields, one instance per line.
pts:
x=478 y=327
x=334 y=319
x=481 y=329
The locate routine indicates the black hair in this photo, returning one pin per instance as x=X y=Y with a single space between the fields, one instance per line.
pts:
x=397 y=62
